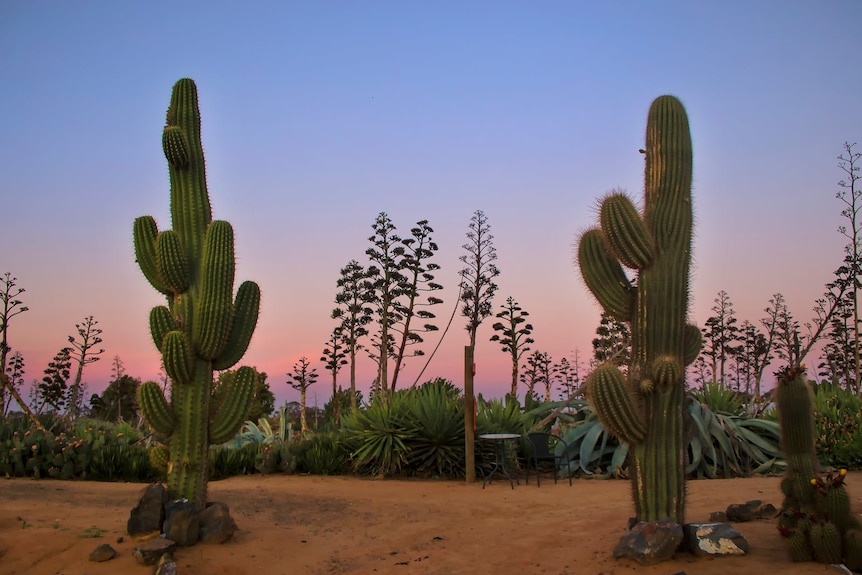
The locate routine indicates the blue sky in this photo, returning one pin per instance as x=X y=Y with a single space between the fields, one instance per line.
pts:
x=319 y=115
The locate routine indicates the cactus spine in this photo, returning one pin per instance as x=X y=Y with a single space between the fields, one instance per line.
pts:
x=645 y=406
x=815 y=517
x=202 y=328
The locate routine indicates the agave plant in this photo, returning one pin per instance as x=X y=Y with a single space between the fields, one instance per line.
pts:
x=721 y=445
x=377 y=436
x=436 y=430
x=262 y=432
x=720 y=398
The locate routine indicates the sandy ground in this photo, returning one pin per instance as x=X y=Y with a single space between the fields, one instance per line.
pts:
x=321 y=525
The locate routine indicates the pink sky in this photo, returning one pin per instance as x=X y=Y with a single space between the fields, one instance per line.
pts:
x=316 y=118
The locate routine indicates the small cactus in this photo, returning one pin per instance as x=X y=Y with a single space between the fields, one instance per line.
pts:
x=203 y=327
x=815 y=518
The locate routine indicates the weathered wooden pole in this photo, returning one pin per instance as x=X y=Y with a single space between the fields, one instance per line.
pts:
x=469 y=417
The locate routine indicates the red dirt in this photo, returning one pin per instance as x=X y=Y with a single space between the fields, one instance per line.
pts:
x=322 y=525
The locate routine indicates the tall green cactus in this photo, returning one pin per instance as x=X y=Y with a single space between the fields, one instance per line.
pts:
x=203 y=328
x=645 y=406
x=815 y=518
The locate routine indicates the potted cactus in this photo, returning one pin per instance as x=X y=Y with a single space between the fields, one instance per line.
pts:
x=643 y=405
x=203 y=327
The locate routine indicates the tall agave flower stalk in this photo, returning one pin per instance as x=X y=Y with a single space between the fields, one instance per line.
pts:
x=644 y=406
x=203 y=327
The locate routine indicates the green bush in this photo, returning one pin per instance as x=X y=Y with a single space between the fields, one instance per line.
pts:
x=838 y=419
x=322 y=454
x=229 y=462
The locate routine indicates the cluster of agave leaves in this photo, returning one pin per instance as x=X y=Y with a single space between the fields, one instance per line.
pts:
x=720 y=444
x=420 y=432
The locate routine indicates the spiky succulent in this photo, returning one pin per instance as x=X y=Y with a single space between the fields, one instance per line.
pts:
x=815 y=518
x=645 y=405
x=203 y=327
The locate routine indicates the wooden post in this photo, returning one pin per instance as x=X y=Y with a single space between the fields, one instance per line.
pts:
x=469 y=417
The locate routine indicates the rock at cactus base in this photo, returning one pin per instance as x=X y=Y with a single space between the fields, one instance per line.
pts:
x=650 y=542
x=149 y=514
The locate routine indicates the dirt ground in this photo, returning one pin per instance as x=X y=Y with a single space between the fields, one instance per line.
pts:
x=321 y=525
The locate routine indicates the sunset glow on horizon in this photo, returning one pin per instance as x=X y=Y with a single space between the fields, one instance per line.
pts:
x=316 y=118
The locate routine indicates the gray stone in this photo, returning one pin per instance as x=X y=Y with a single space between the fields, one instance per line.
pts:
x=149 y=514
x=714 y=540
x=650 y=542
x=181 y=522
x=166 y=565
x=742 y=512
x=149 y=552
x=216 y=524
x=766 y=511
x=102 y=553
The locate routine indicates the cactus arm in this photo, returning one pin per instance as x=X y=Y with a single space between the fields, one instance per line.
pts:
x=155 y=409
x=145 y=232
x=625 y=232
x=161 y=322
x=172 y=262
x=693 y=343
x=178 y=358
x=604 y=276
x=215 y=305
x=246 y=311
x=234 y=409
x=615 y=404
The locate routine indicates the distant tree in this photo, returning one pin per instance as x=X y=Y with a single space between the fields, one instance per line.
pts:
x=514 y=336
x=353 y=311
x=15 y=379
x=416 y=296
x=754 y=353
x=117 y=402
x=264 y=401
x=385 y=286
x=12 y=306
x=400 y=274
x=477 y=277
x=83 y=352
x=54 y=387
x=720 y=334
x=545 y=367
x=340 y=403
x=849 y=195
x=612 y=341
x=837 y=363
x=567 y=375
x=530 y=375
x=334 y=359
x=303 y=377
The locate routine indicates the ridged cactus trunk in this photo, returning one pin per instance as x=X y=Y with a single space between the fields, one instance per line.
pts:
x=644 y=406
x=815 y=519
x=203 y=327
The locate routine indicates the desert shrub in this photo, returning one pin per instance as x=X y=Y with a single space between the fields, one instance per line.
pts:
x=720 y=398
x=120 y=462
x=229 y=462
x=838 y=419
x=322 y=454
